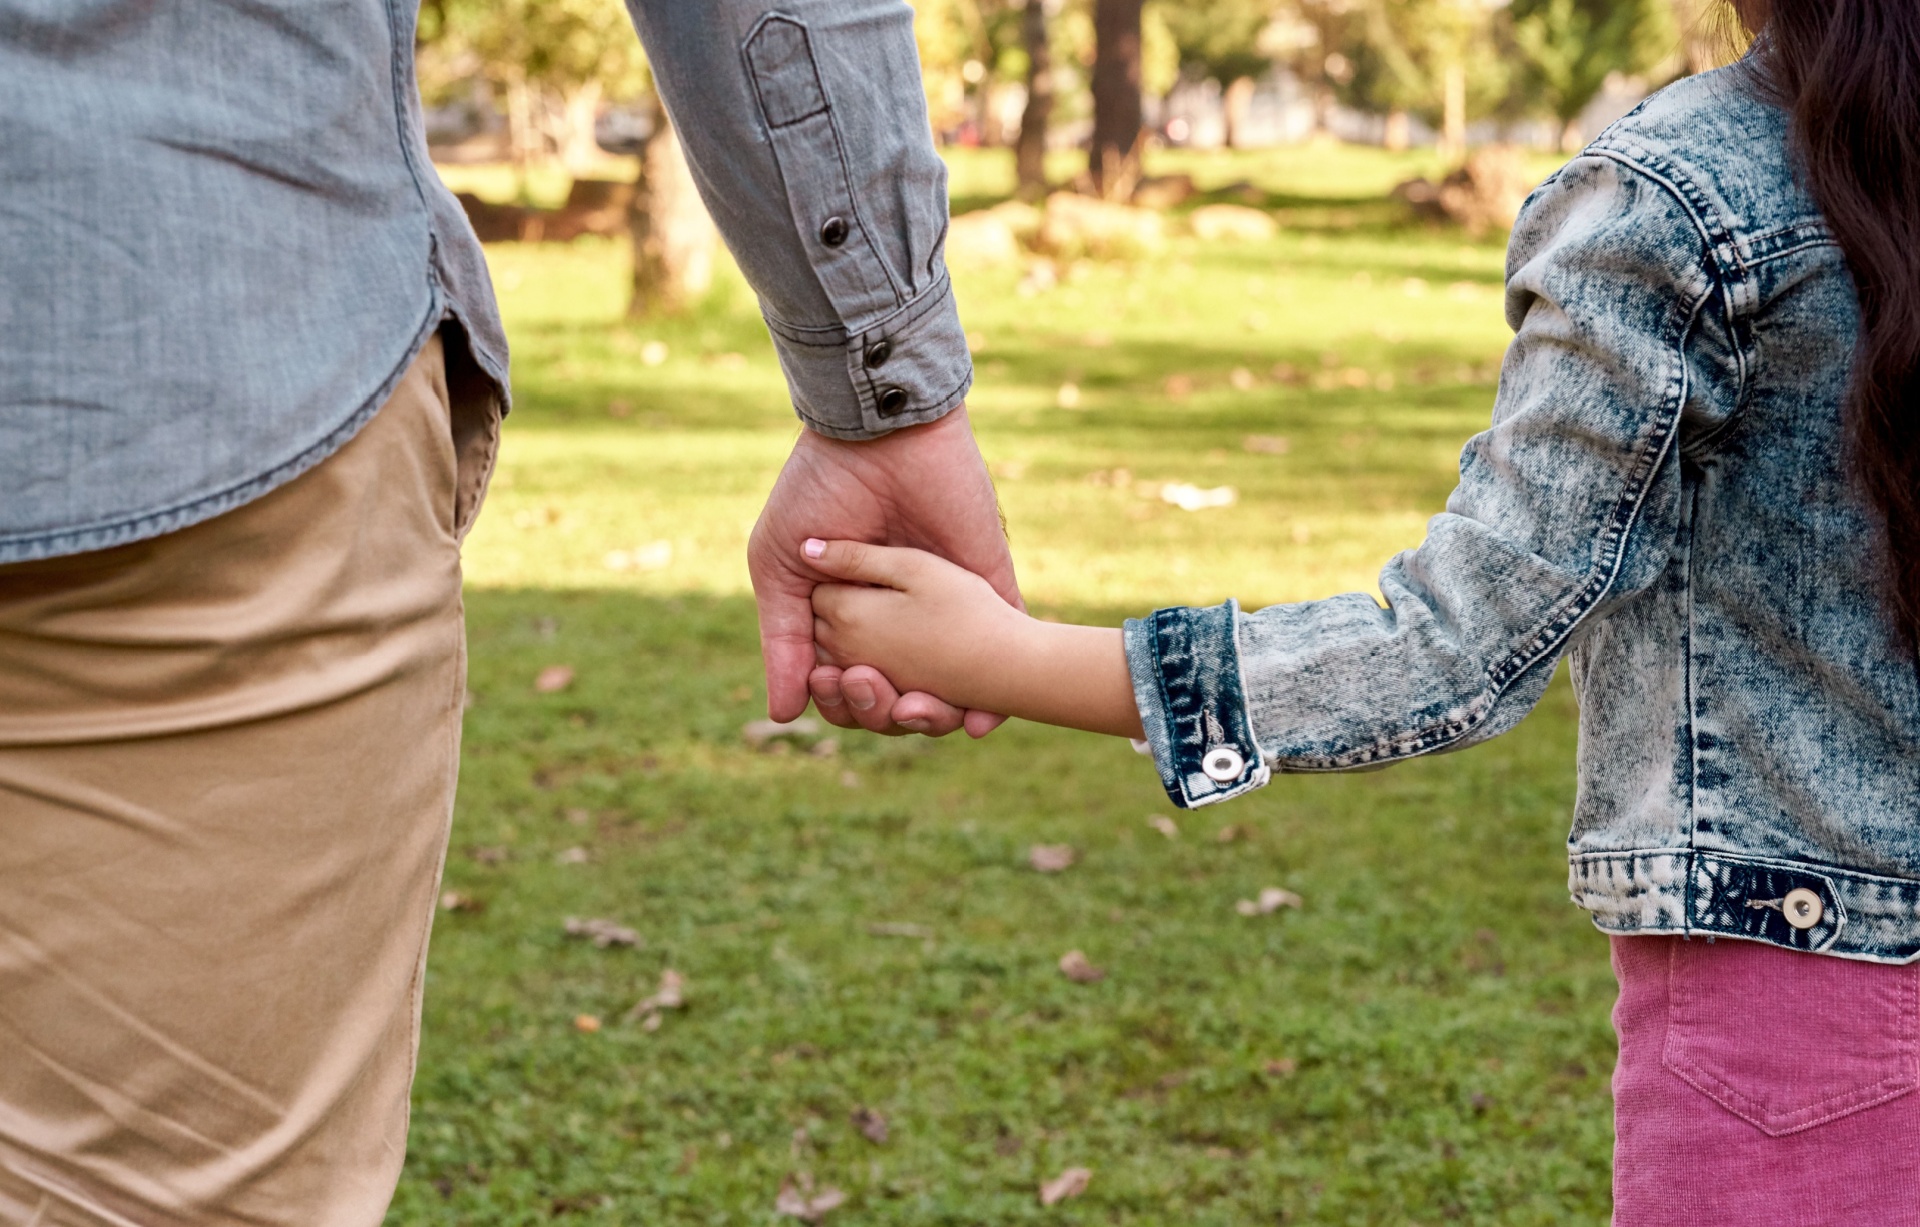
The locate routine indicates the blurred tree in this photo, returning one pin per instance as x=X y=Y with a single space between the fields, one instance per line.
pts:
x=1030 y=155
x=1221 y=39
x=967 y=49
x=674 y=241
x=1113 y=159
x=1437 y=59
x=1569 y=48
x=551 y=63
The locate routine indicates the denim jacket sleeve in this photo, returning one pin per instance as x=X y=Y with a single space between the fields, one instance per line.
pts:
x=806 y=127
x=1567 y=506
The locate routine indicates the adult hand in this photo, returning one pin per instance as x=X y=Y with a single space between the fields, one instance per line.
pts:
x=923 y=486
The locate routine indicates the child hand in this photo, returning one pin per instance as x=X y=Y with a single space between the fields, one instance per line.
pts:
x=922 y=621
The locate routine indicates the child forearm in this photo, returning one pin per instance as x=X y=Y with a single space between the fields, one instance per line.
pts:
x=1072 y=676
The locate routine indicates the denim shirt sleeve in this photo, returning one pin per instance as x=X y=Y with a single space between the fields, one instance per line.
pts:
x=806 y=128
x=1567 y=506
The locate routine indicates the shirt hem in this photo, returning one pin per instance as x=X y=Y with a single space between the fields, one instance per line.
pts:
x=145 y=525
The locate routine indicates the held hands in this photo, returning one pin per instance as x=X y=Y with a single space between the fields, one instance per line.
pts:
x=937 y=628
x=922 y=486
x=922 y=622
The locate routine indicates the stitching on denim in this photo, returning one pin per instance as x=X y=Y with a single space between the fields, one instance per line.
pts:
x=1559 y=622
x=913 y=310
x=839 y=141
x=753 y=74
x=856 y=344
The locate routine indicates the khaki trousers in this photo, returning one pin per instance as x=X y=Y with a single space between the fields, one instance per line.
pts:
x=227 y=762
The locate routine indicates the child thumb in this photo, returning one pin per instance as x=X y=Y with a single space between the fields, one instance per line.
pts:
x=858 y=562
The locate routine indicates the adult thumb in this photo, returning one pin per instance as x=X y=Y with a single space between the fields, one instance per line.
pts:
x=857 y=562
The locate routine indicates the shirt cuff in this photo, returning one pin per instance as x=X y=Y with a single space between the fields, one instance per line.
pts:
x=1192 y=697
x=904 y=369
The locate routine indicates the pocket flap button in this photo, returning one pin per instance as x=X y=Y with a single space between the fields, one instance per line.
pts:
x=1223 y=764
x=1802 y=908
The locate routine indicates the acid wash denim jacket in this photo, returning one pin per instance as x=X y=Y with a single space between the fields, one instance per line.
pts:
x=1662 y=498
x=222 y=243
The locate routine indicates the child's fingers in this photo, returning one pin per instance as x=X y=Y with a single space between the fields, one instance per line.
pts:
x=885 y=566
x=831 y=602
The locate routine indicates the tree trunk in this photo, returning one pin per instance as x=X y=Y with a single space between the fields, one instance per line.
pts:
x=1114 y=160
x=520 y=133
x=1030 y=155
x=1453 y=124
x=1571 y=136
x=1399 y=131
x=1236 y=106
x=673 y=238
x=578 y=147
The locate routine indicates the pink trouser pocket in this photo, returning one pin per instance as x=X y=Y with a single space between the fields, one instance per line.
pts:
x=1786 y=1040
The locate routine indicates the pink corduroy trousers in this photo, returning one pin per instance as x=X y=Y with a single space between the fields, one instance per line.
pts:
x=1762 y=1087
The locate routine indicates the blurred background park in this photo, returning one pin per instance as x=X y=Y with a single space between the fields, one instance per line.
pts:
x=1231 y=271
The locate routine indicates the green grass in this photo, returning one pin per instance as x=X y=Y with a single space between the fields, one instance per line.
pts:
x=1424 y=1041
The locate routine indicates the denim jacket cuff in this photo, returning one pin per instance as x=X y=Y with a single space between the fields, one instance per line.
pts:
x=1192 y=697
x=906 y=368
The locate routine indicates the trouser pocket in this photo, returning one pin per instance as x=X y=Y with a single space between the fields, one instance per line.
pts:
x=1787 y=1040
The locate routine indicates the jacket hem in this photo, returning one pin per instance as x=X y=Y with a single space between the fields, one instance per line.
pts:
x=1695 y=893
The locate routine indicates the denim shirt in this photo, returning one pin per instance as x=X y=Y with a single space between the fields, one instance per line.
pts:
x=1662 y=498
x=222 y=243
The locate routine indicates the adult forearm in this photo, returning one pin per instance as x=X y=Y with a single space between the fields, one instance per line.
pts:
x=805 y=125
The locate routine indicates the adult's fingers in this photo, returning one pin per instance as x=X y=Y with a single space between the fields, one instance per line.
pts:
x=870 y=698
x=927 y=715
x=979 y=723
x=786 y=647
x=824 y=684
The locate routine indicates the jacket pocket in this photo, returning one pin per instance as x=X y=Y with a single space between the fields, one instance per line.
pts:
x=1787 y=1040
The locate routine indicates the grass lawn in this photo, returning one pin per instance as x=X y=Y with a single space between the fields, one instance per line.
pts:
x=1424 y=1040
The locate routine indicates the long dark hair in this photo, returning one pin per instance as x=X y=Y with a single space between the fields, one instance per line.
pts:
x=1848 y=71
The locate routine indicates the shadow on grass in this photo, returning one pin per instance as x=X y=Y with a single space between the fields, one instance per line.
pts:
x=1425 y=1038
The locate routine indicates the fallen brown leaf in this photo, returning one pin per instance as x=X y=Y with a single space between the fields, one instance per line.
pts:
x=571 y=856
x=1271 y=900
x=1281 y=1067
x=871 y=1124
x=1075 y=966
x=454 y=901
x=487 y=856
x=798 y=1200
x=602 y=933
x=1051 y=858
x=670 y=996
x=1231 y=832
x=1070 y=1183
x=1165 y=825
x=586 y=1024
x=553 y=678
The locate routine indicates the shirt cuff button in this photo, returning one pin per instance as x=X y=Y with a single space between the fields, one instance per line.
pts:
x=893 y=401
x=1223 y=764
x=877 y=354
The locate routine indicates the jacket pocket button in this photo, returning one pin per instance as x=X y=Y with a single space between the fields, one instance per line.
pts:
x=1802 y=908
x=1223 y=764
